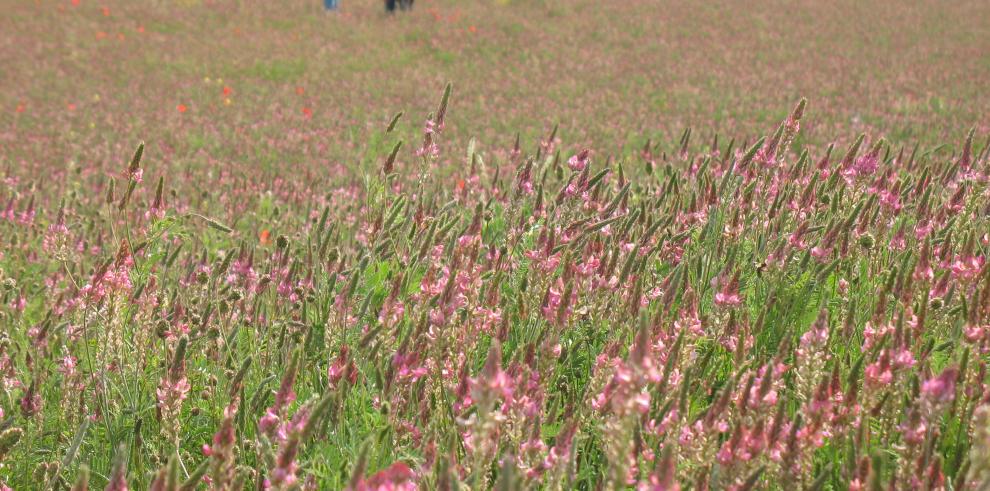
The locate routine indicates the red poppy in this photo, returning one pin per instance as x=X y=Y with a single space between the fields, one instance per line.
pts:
x=182 y=108
x=300 y=91
x=264 y=237
x=227 y=91
x=307 y=112
x=106 y=11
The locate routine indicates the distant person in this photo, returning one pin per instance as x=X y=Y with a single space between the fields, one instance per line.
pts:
x=389 y=6
x=330 y=4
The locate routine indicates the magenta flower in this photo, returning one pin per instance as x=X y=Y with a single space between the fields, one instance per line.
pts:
x=579 y=161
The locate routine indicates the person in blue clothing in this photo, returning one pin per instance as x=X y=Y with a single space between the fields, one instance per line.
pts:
x=330 y=4
x=389 y=6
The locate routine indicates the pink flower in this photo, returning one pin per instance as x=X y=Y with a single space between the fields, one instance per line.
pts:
x=397 y=477
x=843 y=286
x=728 y=296
x=580 y=161
x=913 y=430
x=268 y=422
x=967 y=267
x=866 y=164
x=342 y=366
x=904 y=359
x=877 y=374
x=941 y=389
x=173 y=391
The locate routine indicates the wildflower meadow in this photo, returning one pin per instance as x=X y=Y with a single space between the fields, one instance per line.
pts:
x=494 y=244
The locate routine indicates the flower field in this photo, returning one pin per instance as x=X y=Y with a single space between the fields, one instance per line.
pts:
x=494 y=245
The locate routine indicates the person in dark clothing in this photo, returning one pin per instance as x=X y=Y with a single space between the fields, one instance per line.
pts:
x=389 y=6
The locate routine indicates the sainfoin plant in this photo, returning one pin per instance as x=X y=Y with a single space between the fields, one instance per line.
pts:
x=733 y=315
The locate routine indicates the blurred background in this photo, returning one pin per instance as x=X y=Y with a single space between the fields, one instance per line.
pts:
x=272 y=82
